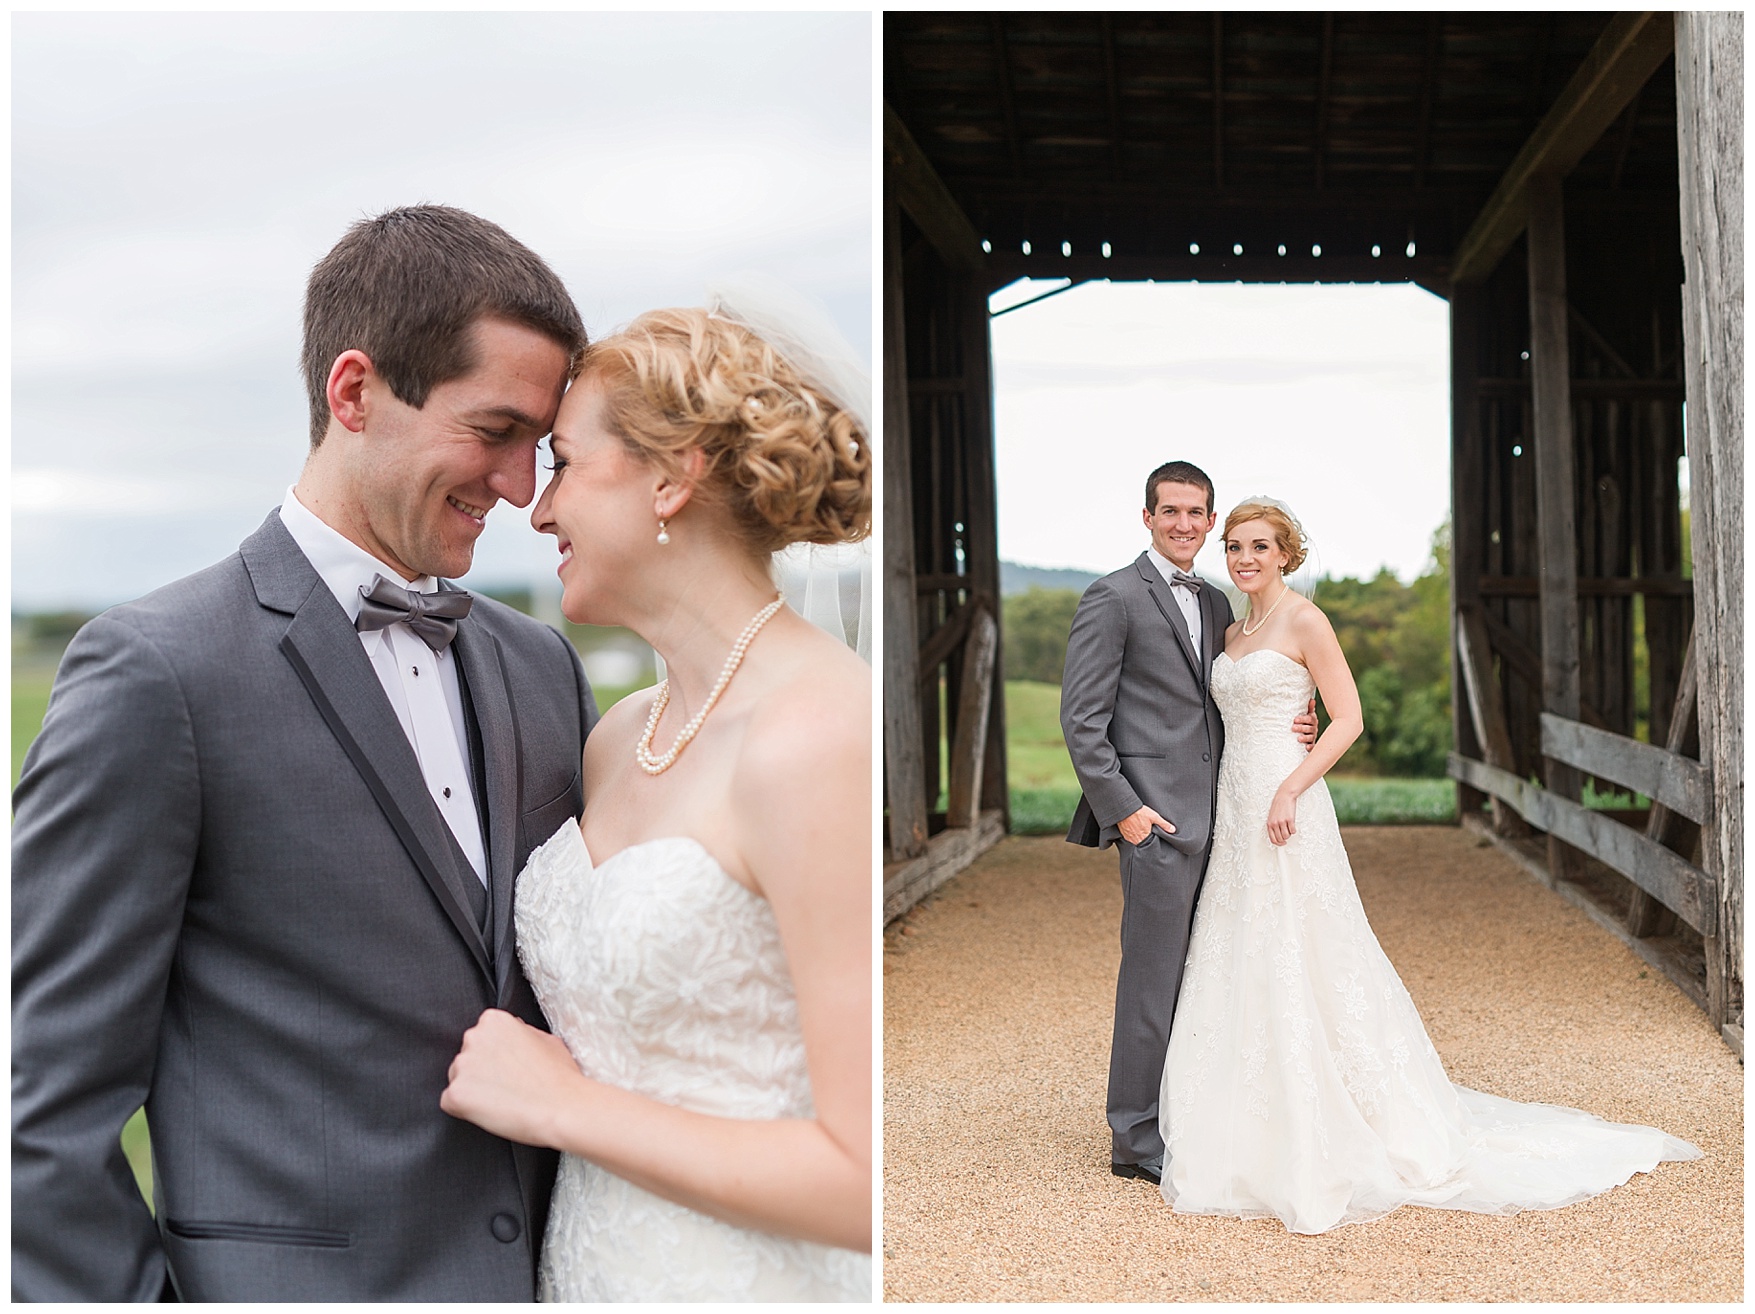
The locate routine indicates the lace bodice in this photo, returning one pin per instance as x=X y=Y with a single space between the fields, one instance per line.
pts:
x=666 y=977
x=1258 y=694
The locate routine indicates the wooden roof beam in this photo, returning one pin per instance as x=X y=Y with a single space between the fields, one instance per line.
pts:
x=1622 y=61
x=927 y=200
x=1324 y=72
x=1002 y=63
x=1218 y=101
x=1428 y=92
x=1109 y=85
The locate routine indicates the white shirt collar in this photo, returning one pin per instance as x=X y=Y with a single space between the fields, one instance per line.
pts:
x=1166 y=567
x=343 y=565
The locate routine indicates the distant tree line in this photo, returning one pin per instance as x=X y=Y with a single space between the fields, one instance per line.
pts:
x=1396 y=637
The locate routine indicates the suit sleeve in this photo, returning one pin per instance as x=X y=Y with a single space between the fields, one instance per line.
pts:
x=1087 y=701
x=106 y=825
x=588 y=713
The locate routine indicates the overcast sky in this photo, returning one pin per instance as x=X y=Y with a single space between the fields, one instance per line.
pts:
x=1333 y=399
x=175 y=177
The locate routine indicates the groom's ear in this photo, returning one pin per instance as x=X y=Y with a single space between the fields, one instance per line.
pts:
x=347 y=388
x=673 y=493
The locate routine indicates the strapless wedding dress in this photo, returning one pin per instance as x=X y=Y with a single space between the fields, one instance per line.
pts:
x=666 y=977
x=1299 y=1082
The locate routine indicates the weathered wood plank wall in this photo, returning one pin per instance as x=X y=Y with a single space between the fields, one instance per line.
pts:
x=1709 y=126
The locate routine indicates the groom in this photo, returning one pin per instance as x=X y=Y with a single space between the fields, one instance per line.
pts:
x=264 y=847
x=1145 y=736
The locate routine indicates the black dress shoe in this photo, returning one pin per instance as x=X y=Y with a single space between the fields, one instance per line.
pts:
x=1135 y=1170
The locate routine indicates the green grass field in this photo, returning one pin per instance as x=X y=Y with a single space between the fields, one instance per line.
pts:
x=30 y=699
x=1045 y=791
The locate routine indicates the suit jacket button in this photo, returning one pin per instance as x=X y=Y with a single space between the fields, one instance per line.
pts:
x=505 y=1227
x=1206 y=757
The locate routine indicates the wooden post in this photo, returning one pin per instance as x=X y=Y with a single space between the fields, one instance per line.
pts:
x=974 y=701
x=1486 y=704
x=1709 y=129
x=904 y=770
x=982 y=539
x=1556 y=519
x=1467 y=512
x=1644 y=913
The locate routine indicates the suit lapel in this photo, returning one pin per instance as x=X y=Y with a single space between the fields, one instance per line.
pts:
x=1172 y=614
x=325 y=652
x=482 y=665
x=1212 y=627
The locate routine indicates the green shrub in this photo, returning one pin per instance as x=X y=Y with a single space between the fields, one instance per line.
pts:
x=1037 y=623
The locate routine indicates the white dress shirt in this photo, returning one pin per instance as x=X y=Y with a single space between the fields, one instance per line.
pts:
x=1185 y=598
x=421 y=684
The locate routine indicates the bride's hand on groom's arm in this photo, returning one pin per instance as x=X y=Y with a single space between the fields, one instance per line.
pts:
x=513 y=1080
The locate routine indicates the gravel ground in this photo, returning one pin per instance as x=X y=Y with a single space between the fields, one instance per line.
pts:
x=997 y=1008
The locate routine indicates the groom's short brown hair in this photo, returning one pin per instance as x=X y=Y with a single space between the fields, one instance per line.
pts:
x=406 y=288
x=1177 y=472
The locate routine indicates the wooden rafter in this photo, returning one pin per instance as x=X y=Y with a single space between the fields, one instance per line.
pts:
x=1325 y=69
x=929 y=203
x=1112 y=89
x=1002 y=67
x=1428 y=93
x=1218 y=101
x=1623 y=59
x=1532 y=111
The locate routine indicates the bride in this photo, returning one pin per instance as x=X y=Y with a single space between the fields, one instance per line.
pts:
x=700 y=941
x=1299 y=1082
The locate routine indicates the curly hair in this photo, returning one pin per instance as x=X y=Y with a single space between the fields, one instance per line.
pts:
x=789 y=464
x=1288 y=533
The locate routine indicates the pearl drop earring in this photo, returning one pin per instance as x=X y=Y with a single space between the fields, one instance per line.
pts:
x=663 y=533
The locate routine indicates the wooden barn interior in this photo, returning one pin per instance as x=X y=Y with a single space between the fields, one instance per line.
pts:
x=1571 y=183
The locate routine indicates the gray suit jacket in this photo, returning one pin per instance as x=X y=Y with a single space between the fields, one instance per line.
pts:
x=233 y=899
x=1139 y=724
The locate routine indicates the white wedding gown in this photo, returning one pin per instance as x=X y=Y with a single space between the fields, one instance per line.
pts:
x=1299 y=1082
x=666 y=977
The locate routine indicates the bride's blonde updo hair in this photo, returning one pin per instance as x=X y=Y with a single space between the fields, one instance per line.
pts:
x=1288 y=533
x=789 y=464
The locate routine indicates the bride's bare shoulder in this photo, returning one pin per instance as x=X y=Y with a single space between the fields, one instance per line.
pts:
x=617 y=728
x=815 y=713
x=1310 y=626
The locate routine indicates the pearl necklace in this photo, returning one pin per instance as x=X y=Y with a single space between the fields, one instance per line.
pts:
x=1284 y=590
x=653 y=766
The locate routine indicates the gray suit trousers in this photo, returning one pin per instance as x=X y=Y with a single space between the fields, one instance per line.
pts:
x=1159 y=885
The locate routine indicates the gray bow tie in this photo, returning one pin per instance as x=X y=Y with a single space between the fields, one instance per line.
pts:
x=433 y=616
x=1184 y=580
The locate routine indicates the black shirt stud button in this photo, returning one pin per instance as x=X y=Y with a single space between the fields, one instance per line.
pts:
x=505 y=1227
x=447 y=791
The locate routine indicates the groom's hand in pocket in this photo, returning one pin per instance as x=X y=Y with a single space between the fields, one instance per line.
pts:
x=1134 y=829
